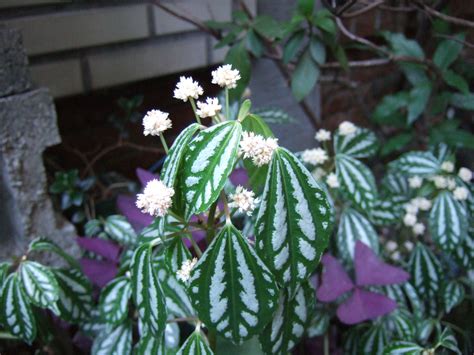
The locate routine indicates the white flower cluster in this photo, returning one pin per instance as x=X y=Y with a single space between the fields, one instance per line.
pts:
x=244 y=200
x=323 y=135
x=187 y=88
x=465 y=174
x=318 y=173
x=155 y=199
x=347 y=128
x=332 y=181
x=443 y=182
x=314 y=156
x=447 y=166
x=184 y=272
x=257 y=148
x=225 y=76
x=412 y=208
x=415 y=182
x=155 y=122
x=461 y=193
x=210 y=108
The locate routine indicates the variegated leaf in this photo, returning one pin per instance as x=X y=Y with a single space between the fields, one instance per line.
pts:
x=396 y=183
x=232 y=290
x=75 y=295
x=448 y=222
x=354 y=226
x=147 y=293
x=43 y=244
x=356 y=181
x=176 y=253
x=209 y=160
x=119 y=229
x=426 y=274
x=319 y=322
x=114 y=341
x=416 y=163
x=114 y=299
x=403 y=323
x=4 y=266
x=177 y=299
x=417 y=306
x=387 y=211
x=424 y=328
x=196 y=344
x=402 y=347
x=464 y=254
x=293 y=222
x=361 y=144
x=448 y=340
x=453 y=294
x=39 y=285
x=289 y=321
x=15 y=311
x=150 y=345
x=373 y=341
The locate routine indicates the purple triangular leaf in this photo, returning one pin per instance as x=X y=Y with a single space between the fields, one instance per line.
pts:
x=370 y=270
x=126 y=206
x=98 y=271
x=334 y=280
x=364 y=305
x=145 y=176
x=105 y=248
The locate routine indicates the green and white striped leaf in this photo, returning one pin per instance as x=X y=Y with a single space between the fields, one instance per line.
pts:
x=448 y=222
x=362 y=144
x=75 y=295
x=294 y=220
x=354 y=226
x=387 y=211
x=426 y=274
x=403 y=323
x=114 y=299
x=177 y=299
x=15 y=311
x=464 y=254
x=93 y=325
x=119 y=229
x=43 y=244
x=416 y=163
x=209 y=159
x=232 y=290
x=453 y=294
x=417 y=306
x=448 y=340
x=150 y=345
x=176 y=254
x=175 y=155
x=395 y=292
x=4 y=266
x=396 y=183
x=289 y=321
x=373 y=341
x=424 y=328
x=403 y=347
x=319 y=322
x=39 y=285
x=196 y=344
x=356 y=181
x=147 y=294
x=114 y=341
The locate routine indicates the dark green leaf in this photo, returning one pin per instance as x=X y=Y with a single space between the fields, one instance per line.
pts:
x=447 y=51
x=306 y=7
x=463 y=101
x=317 y=50
x=456 y=81
x=304 y=77
x=396 y=143
x=292 y=46
x=267 y=27
x=238 y=57
x=254 y=44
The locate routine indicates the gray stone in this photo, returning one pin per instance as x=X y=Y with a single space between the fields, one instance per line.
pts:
x=28 y=127
x=14 y=77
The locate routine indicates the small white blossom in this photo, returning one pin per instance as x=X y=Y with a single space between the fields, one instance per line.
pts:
x=318 y=173
x=314 y=156
x=332 y=181
x=391 y=246
x=440 y=182
x=186 y=88
x=408 y=245
x=347 y=128
x=461 y=193
x=244 y=200
x=184 y=273
x=396 y=255
x=155 y=199
x=209 y=108
x=257 y=148
x=323 y=135
x=411 y=208
x=409 y=220
x=451 y=183
x=225 y=76
x=465 y=174
x=418 y=228
x=447 y=166
x=415 y=182
x=155 y=122
x=422 y=203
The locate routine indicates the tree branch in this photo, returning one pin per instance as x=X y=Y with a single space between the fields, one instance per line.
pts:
x=447 y=18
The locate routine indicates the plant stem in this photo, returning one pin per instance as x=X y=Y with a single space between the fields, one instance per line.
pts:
x=326 y=343
x=227 y=113
x=226 y=208
x=210 y=223
x=211 y=336
x=195 y=246
x=193 y=104
x=6 y=335
x=163 y=141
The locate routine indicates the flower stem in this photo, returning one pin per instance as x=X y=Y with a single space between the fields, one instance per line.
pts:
x=227 y=113
x=193 y=104
x=163 y=141
x=226 y=208
x=195 y=246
